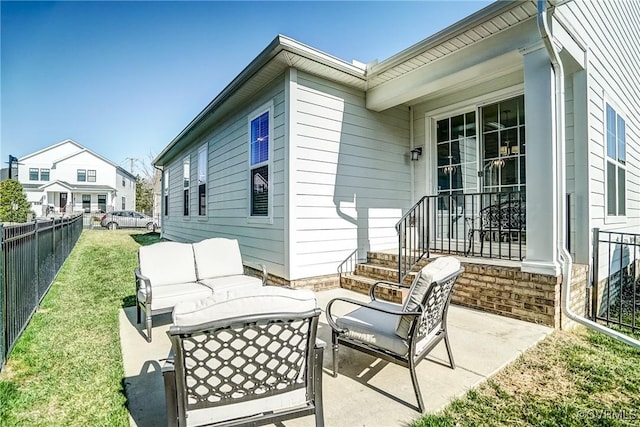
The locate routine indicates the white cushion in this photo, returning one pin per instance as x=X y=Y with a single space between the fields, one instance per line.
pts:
x=167 y=263
x=245 y=301
x=435 y=271
x=227 y=283
x=217 y=257
x=169 y=295
x=375 y=327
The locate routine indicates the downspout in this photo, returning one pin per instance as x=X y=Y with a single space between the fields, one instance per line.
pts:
x=560 y=146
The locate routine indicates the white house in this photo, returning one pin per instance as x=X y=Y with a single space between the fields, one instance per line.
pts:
x=67 y=177
x=305 y=157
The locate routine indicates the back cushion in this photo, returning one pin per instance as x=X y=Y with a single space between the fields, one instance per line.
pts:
x=435 y=271
x=167 y=263
x=262 y=300
x=217 y=257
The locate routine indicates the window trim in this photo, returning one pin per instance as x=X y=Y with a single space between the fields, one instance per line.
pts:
x=165 y=193
x=37 y=174
x=202 y=209
x=259 y=219
x=84 y=171
x=186 y=185
x=606 y=159
x=48 y=174
x=89 y=175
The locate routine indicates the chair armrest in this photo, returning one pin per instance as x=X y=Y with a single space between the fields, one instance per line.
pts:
x=140 y=278
x=261 y=267
x=334 y=325
x=392 y=285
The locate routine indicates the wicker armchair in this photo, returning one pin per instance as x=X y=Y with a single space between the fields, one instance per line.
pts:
x=401 y=334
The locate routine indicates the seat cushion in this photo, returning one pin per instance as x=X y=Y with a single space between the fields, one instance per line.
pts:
x=375 y=327
x=169 y=295
x=200 y=417
x=167 y=263
x=228 y=283
x=217 y=257
x=435 y=271
x=242 y=302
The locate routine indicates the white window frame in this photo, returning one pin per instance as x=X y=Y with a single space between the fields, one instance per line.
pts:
x=165 y=194
x=186 y=186
x=616 y=218
x=259 y=219
x=203 y=173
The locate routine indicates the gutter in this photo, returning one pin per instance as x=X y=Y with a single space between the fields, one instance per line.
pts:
x=560 y=147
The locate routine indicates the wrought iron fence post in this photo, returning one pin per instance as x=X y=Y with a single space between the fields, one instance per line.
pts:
x=36 y=256
x=3 y=296
x=594 y=273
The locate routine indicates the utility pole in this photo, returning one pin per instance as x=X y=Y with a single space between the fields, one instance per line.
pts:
x=132 y=160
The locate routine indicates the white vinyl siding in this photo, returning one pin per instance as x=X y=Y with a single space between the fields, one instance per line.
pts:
x=352 y=175
x=613 y=70
x=609 y=30
x=227 y=186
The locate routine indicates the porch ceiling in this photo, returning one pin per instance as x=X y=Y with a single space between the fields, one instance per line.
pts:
x=472 y=52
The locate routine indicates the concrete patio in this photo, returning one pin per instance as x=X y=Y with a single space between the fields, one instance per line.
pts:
x=367 y=391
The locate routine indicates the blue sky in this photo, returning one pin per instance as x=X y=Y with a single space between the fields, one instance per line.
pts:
x=124 y=78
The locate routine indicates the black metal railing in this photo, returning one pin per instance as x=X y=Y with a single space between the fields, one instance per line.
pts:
x=487 y=225
x=615 y=281
x=348 y=266
x=32 y=254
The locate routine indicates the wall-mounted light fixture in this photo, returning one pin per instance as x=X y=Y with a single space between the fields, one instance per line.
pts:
x=416 y=153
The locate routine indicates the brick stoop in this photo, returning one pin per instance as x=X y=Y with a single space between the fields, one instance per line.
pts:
x=500 y=289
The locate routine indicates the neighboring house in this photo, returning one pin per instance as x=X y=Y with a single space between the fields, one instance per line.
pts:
x=304 y=157
x=67 y=177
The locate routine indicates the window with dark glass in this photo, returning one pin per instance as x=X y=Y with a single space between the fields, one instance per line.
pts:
x=166 y=192
x=259 y=146
x=202 y=181
x=616 y=163
x=457 y=154
x=102 y=202
x=503 y=142
x=185 y=191
x=91 y=175
x=82 y=175
x=124 y=202
x=86 y=203
x=44 y=174
x=33 y=174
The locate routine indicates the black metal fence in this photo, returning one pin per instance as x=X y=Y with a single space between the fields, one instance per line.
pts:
x=487 y=225
x=615 y=297
x=32 y=254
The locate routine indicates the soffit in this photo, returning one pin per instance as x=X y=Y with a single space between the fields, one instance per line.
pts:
x=500 y=17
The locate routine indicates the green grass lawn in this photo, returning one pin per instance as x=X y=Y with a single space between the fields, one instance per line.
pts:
x=66 y=369
x=572 y=378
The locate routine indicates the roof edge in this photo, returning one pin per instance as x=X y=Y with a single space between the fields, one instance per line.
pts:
x=485 y=14
x=278 y=44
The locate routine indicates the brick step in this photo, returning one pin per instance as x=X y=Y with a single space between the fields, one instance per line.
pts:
x=380 y=272
x=363 y=284
x=384 y=259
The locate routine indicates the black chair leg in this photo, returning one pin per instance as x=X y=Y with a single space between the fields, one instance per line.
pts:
x=138 y=318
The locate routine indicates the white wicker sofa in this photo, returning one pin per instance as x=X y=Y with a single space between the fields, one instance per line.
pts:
x=173 y=272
